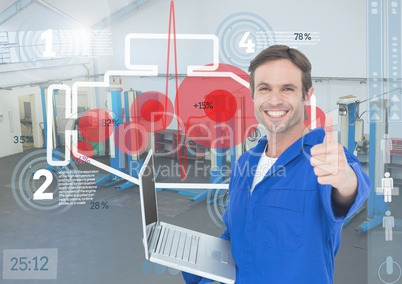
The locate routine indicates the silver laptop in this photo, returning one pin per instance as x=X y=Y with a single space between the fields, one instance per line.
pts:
x=177 y=247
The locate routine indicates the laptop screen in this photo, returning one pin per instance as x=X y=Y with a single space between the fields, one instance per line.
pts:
x=147 y=179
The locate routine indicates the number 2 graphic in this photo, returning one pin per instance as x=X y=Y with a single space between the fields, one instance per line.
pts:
x=40 y=193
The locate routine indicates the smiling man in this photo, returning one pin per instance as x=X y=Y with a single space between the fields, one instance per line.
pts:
x=286 y=228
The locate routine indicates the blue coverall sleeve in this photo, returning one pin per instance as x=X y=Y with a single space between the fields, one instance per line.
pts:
x=195 y=279
x=226 y=234
x=226 y=215
x=363 y=190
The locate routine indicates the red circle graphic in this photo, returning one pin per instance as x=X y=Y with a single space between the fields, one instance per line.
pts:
x=216 y=110
x=94 y=126
x=153 y=110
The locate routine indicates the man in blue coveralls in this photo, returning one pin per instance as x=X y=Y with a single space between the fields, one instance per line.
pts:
x=289 y=195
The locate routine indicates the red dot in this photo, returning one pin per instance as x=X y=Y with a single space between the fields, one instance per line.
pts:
x=92 y=125
x=153 y=110
x=220 y=105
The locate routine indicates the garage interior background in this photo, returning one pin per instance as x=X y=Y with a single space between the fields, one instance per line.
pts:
x=335 y=36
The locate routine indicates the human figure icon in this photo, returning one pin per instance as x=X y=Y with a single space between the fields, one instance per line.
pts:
x=386 y=147
x=388 y=222
x=387 y=184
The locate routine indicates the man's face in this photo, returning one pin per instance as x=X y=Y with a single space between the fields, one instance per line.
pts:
x=278 y=102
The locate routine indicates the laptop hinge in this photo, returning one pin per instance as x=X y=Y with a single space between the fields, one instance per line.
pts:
x=155 y=237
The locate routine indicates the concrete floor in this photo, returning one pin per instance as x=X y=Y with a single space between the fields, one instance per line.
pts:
x=104 y=245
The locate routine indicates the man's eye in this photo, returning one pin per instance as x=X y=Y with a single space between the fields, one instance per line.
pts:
x=288 y=89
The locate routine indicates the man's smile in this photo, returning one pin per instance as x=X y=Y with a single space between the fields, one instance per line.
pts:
x=276 y=113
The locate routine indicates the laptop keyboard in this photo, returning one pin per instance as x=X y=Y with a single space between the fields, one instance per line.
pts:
x=180 y=245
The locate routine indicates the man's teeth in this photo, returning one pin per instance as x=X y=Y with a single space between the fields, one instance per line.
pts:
x=276 y=113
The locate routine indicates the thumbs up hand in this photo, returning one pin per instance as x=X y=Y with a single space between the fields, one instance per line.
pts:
x=331 y=166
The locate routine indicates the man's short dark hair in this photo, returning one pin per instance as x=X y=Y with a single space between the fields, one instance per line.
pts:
x=276 y=52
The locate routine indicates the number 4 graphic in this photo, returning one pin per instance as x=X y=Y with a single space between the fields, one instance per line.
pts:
x=247 y=43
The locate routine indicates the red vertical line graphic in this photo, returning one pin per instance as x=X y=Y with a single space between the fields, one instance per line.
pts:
x=182 y=167
x=168 y=55
x=172 y=24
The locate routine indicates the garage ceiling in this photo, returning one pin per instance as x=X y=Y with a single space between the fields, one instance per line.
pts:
x=88 y=13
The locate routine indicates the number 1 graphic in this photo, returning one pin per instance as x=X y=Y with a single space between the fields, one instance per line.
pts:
x=48 y=37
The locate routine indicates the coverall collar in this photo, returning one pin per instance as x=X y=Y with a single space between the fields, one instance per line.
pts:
x=300 y=146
